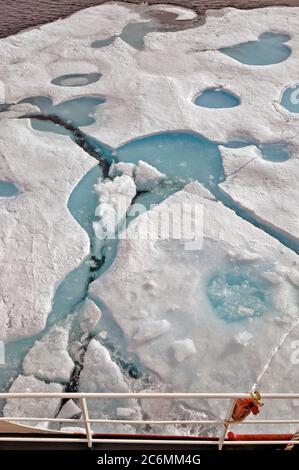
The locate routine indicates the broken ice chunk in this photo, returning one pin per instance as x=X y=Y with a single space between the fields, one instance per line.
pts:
x=183 y=349
x=243 y=338
x=69 y=410
x=121 y=168
x=101 y=374
x=150 y=330
x=115 y=199
x=90 y=316
x=48 y=358
x=32 y=407
x=147 y=177
x=103 y=334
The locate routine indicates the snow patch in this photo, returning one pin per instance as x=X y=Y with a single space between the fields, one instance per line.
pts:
x=151 y=330
x=183 y=349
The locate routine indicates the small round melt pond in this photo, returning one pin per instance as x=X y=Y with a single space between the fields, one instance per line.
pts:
x=237 y=295
x=290 y=99
x=76 y=79
x=216 y=98
x=276 y=152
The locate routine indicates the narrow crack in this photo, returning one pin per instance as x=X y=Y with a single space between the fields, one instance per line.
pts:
x=77 y=134
x=239 y=169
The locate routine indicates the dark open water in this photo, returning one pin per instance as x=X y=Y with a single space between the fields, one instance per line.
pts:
x=16 y=15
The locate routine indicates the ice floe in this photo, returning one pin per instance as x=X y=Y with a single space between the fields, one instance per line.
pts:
x=221 y=351
x=69 y=410
x=48 y=359
x=267 y=189
x=90 y=316
x=32 y=408
x=40 y=242
x=101 y=374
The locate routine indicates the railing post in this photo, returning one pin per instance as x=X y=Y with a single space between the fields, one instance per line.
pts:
x=226 y=423
x=84 y=408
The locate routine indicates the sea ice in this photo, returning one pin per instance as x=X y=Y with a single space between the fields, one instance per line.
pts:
x=267 y=189
x=147 y=177
x=183 y=348
x=115 y=197
x=150 y=330
x=101 y=374
x=90 y=316
x=40 y=242
x=48 y=359
x=220 y=361
x=29 y=407
x=69 y=410
x=156 y=280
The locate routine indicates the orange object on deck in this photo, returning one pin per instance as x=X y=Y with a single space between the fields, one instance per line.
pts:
x=258 y=437
x=245 y=406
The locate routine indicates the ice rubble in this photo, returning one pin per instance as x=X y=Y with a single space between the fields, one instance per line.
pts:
x=48 y=359
x=32 y=408
x=145 y=176
x=40 y=242
x=115 y=197
x=269 y=190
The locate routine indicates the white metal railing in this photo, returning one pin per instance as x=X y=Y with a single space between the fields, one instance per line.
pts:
x=90 y=439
